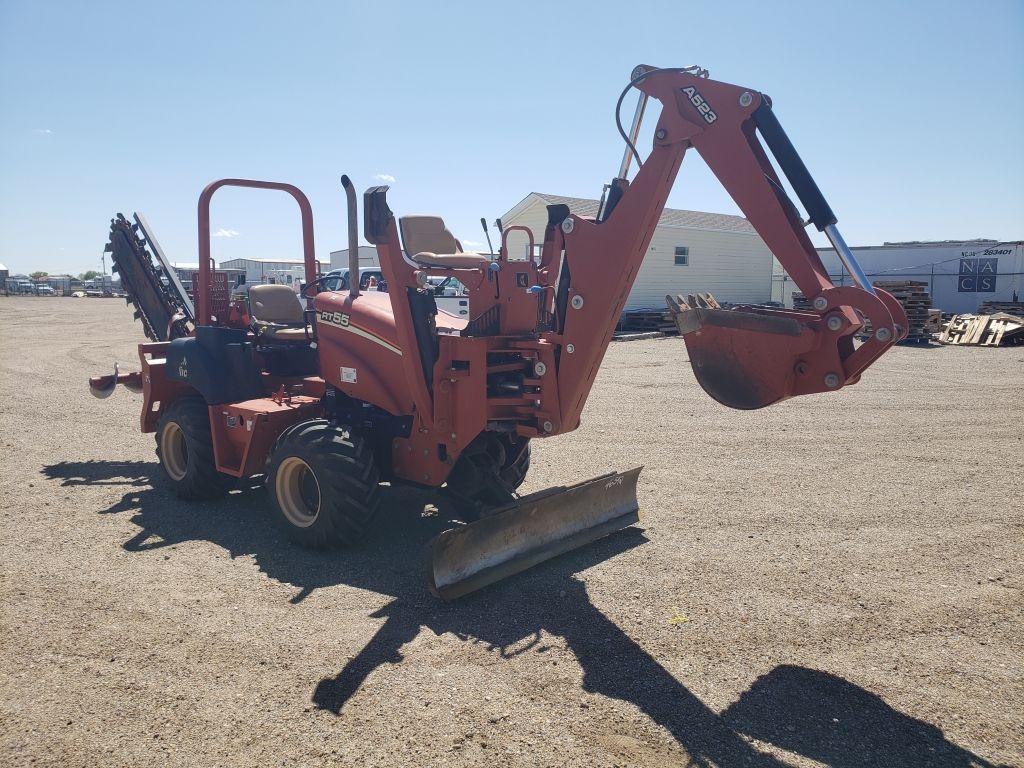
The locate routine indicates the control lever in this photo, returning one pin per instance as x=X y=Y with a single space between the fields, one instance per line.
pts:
x=487 y=234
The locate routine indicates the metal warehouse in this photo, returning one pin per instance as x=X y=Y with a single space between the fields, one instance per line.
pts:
x=690 y=252
x=367 y=257
x=285 y=271
x=960 y=274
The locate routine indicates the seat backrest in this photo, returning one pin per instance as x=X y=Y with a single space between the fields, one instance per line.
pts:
x=427 y=234
x=275 y=304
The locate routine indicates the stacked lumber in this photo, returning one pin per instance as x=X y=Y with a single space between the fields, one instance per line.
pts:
x=645 y=321
x=912 y=295
x=1010 y=307
x=801 y=303
x=916 y=302
x=996 y=330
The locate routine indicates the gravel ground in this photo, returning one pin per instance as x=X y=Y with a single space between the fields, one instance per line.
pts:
x=834 y=580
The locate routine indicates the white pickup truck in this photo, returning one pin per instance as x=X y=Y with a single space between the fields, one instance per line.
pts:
x=450 y=295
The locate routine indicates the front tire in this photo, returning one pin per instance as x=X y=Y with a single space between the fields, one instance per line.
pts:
x=184 y=447
x=323 y=480
x=489 y=472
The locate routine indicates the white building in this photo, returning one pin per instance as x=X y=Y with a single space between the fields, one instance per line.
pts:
x=960 y=274
x=367 y=258
x=283 y=271
x=184 y=270
x=691 y=252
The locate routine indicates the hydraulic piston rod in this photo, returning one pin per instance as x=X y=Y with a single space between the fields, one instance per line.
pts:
x=849 y=259
x=634 y=133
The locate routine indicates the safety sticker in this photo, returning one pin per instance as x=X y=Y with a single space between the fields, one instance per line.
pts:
x=348 y=375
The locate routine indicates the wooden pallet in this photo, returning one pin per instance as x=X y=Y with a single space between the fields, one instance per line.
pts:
x=995 y=307
x=646 y=321
x=801 y=303
x=912 y=295
x=984 y=330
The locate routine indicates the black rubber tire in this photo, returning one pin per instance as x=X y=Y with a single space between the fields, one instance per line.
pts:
x=488 y=472
x=513 y=474
x=342 y=464
x=199 y=478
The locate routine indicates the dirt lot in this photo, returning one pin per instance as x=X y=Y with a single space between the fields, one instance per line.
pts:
x=834 y=580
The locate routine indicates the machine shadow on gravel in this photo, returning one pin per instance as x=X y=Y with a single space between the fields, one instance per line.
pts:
x=803 y=711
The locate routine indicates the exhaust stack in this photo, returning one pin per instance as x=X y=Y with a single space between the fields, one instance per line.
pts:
x=353 y=237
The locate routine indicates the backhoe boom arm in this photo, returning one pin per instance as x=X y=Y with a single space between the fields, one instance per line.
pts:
x=767 y=355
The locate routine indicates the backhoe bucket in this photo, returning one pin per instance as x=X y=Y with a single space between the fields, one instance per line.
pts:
x=743 y=359
x=533 y=529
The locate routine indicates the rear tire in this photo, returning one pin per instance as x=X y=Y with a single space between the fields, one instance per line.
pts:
x=323 y=480
x=185 y=448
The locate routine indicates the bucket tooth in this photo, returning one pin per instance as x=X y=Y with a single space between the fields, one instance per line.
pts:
x=533 y=529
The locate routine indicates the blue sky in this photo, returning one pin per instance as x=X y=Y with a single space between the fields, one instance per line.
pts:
x=909 y=114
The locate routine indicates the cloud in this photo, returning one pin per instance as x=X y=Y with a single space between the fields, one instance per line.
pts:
x=226 y=233
x=385 y=177
x=473 y=243
x=42 y=131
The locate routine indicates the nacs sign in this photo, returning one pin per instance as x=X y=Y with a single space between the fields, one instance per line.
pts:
x=978 y=275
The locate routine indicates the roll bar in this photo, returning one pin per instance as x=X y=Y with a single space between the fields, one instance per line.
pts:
x=201 y=292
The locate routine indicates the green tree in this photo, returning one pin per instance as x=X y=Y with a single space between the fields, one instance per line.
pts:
x=88 y=275
x=39 y=275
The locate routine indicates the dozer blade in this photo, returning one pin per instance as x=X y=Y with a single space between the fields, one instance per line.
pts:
x=533 y=529
x=743 y=359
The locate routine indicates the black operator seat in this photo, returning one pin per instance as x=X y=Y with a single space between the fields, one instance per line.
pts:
x=429 y=243
x=277 y=313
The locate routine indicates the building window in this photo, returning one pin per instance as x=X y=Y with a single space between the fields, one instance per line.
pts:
x=682 y=256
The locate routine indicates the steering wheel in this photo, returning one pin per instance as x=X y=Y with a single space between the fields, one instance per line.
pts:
x=318 y=283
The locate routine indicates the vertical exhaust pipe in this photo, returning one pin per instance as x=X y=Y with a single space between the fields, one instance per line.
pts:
x=353 y=237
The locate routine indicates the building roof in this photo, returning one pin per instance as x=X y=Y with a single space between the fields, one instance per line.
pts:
x=267 y=261
x=887 y=246
x=361 y=249
x=670 y=217
x=3 y=268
